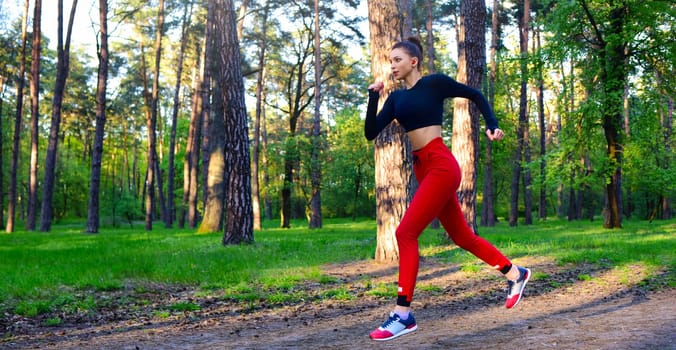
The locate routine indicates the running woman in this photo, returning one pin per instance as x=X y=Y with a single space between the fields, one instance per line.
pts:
x=418 y=108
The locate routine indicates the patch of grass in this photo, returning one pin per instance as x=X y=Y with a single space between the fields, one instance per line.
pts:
x=45 y=273
x=383 y=290
x=471 y=268
x=161 y=314
x=584 y=277
x=431 y=289
x=52 y=321
x=325 y=279
x=32 y=308
x=337 y=294
x=184 y=306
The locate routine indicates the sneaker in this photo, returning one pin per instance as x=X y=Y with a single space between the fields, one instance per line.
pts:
x=394 y=327
x=515 y=288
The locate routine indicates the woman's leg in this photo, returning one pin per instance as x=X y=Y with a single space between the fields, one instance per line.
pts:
x=453 y=220
x=436 y=188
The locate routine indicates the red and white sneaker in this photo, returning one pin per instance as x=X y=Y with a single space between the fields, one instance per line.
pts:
x=515 y=288
x=394 y=327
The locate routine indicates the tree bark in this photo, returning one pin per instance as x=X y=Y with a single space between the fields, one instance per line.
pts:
x=18 y=117
x=392 y=149
x=62 y=67
x=214 y=132
x=215 y=185
x=471 y=68
x=97 y=155
x=35 y=116
x=238 y=222
x=238 y=225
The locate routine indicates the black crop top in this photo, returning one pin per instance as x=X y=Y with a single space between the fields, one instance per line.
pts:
x=422 y=105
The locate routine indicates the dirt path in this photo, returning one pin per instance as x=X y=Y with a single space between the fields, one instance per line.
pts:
x=605 y=309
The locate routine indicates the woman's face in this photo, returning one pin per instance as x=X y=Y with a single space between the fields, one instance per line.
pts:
x=401 y=63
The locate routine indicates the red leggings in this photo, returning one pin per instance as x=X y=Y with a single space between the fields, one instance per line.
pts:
x=438 y=175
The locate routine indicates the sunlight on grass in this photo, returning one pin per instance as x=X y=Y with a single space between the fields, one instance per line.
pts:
x=47 y=272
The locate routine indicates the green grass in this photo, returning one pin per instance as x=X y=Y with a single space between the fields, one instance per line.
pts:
x=44 y=272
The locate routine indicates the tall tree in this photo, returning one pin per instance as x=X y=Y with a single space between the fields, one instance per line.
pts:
x=187 y=14
x=152 y=173
x=315 y=201
x=522 y=152
x=238 y=226
x=18 y=117
x=613 y=45
x=201 y=91
x=296 y=93
x=260 y=97
x=487 y=209
x=35 y=116
x=542 y=206
x=62 y=68
x=190 y=144
x=392 y=149
x=471 y=68
x=214 y=135
x=97 y=154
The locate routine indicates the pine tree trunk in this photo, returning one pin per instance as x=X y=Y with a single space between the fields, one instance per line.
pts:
x=35 y=115
x=62 y=67
x=238 y=225
x=260 y=79
x=392 y=149
x=97 y=155
x=18 y=117
x=471 y=68
x=191 y=143
x=215 y=185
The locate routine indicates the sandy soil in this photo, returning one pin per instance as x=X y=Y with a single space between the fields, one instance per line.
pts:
x=565 y=307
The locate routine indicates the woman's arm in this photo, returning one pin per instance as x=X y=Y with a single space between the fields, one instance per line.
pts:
x=375 y=123
x=452 y=88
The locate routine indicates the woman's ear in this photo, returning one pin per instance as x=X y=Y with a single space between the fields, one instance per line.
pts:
x=414 y=61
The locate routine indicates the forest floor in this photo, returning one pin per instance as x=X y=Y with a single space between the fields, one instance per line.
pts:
x=564 y=307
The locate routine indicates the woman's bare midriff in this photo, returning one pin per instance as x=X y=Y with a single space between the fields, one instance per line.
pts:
x=421 y=137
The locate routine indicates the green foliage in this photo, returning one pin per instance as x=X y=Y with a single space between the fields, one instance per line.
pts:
x=348 y=178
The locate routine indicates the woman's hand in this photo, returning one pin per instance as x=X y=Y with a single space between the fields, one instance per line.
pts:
x=377 y=86
x=495 y=135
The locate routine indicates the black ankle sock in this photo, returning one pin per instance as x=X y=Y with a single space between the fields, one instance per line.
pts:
x=401 y=301
x=506 y=269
